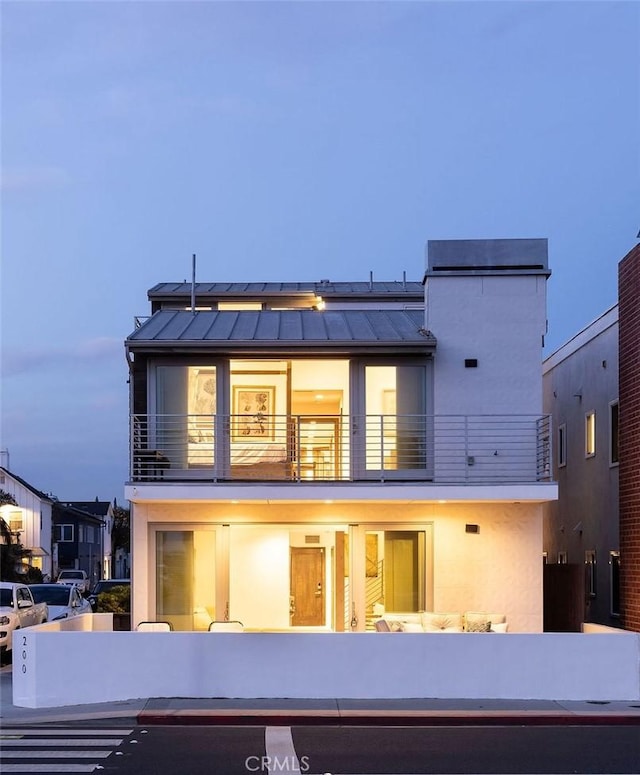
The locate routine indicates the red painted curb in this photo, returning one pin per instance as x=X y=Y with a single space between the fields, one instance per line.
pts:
x=276 y=718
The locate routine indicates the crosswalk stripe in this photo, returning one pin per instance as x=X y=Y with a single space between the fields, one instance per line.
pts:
x=70 y=732
x=281 y=753
x=57 y=754
x=49 y=767
x=29 y=742
x=60 y=746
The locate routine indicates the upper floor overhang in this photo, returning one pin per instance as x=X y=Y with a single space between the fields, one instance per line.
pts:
x=399 y=493
x=283 y=331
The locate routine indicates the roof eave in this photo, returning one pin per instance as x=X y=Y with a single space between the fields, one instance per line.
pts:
x=306 y=347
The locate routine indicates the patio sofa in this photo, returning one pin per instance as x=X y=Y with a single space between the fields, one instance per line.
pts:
x=434 y=621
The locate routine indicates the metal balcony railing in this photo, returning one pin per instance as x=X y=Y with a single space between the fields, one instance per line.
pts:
x=443 y=449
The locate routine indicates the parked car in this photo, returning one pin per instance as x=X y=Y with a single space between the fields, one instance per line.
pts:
x=78 y=578
x=106 y=585
x=18 y=609
x=63 y=601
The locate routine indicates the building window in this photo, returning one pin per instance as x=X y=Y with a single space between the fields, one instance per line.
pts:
x=562 y=445
x=240 y=306
x=562 y=558
x=590 y=434
x=64 y=533
x=81 y=534
x=614 y=581
x=590 y=572
x=13 y=518
x=613 y=433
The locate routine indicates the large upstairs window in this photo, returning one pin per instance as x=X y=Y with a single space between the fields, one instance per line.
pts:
x=302 y=419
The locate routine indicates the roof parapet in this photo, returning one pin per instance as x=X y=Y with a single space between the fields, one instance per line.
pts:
x=487 y=256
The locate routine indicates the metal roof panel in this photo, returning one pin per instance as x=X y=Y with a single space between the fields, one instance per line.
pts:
x=375 y=288
x=361 y=327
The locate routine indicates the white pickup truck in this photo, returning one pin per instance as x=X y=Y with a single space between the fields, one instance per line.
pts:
x=17 y=609
x=74 y=578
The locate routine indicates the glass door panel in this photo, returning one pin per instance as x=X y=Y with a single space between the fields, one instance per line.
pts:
x=395 y=421
x=395 y=570
x=202 y=414
x=168 y=434
x=185 y=578
x=185 y=413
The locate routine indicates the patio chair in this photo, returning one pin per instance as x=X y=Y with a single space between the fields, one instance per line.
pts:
x=233 y=626
x=154 y=627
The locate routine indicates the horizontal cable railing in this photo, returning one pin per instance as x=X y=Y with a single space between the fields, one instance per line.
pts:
x=458 y=449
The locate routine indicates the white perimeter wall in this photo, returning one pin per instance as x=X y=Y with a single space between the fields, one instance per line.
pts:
x=553 y=666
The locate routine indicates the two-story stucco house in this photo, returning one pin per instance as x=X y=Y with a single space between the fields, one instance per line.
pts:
x=307 y=455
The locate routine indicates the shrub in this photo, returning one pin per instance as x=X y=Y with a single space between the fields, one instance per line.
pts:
x=116 y=601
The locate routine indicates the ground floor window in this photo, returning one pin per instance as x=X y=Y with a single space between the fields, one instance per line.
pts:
x=186 y=578
x=287 y=577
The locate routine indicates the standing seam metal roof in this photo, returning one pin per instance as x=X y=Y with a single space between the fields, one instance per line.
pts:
x=286 y=326
x=410 y=287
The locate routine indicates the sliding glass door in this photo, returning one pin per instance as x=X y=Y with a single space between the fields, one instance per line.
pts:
x=391 y=432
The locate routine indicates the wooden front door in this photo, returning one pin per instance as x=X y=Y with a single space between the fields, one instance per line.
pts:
x=307 y=586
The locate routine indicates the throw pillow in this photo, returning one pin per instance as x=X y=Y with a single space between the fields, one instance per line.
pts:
x=434 y=621
x=478 y=626
x=412 y=627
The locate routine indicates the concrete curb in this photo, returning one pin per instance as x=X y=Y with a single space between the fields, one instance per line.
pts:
x=267 y=717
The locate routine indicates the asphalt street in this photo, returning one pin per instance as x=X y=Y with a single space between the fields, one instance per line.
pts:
x=166 y=750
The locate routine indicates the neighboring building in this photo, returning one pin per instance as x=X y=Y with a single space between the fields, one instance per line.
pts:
x=306 y=454
x=592 y=391
x=629 y=323
x=104 y=511
x=580 y=384
x=30 y=521
x=78 y=541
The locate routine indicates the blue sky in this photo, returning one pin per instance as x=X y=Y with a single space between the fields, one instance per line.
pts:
x=285 y=141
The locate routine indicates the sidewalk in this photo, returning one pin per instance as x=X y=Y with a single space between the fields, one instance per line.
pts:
x=343 y=712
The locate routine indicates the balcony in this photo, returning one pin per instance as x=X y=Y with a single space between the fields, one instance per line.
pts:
x=303 y=450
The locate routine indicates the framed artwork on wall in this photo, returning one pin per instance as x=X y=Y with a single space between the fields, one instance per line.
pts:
x=253 y=412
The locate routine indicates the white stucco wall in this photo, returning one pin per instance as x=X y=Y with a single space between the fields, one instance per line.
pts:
x=501 y=322
x=552 y=666
x=498 y=569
